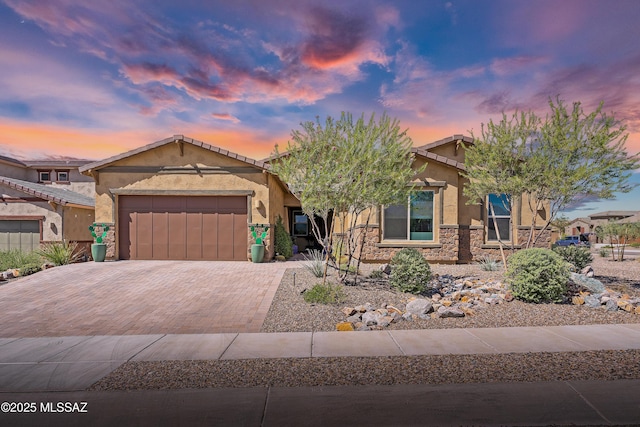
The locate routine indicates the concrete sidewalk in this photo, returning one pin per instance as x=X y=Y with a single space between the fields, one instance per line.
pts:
x=74 y=363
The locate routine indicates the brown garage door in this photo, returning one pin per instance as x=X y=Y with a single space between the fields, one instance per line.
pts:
x=183 y=227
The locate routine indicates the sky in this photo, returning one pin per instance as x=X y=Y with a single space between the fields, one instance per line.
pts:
x=89 y=79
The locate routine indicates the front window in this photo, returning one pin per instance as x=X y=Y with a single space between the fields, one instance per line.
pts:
x=501 y=214
x=413 y=221
x=300 y=224
x=45 y=176
x=63 y=176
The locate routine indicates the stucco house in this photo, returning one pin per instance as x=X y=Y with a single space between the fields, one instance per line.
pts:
x=44 y=201
x=180 y=198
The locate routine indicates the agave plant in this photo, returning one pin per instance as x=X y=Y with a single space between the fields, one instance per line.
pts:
x=60 y=253
x=488 y=264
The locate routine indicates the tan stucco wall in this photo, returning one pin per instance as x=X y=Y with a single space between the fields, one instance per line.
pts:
x=77 y=182
x=449 y=150
x=169 y=155
x=76 y=224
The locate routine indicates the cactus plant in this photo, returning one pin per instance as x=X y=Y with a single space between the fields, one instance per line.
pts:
x=99 y=238
x=259 y=238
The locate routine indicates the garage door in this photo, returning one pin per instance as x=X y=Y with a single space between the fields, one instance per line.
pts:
x=19 y=234
x=183 y=227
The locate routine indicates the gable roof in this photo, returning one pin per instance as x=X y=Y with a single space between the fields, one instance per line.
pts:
x=176 y=138
x=49 y=193
x=613 y=214
x=71 y=163
x=421 y=151
x=447 y=140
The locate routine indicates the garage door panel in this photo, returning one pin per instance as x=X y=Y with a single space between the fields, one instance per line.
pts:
x=183 y=227
x=19 y=234
x=177 y=235
x=210 y=236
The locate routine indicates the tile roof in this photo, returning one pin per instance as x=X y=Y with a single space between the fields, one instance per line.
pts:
x=438 y=158
x=48 y=192
x=446 y=140
x=72 y=163
x=176 y=138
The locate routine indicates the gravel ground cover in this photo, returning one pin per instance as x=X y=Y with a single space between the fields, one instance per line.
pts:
x=289 y=312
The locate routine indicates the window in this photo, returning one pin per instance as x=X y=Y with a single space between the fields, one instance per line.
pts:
x=44 y=176
x=501 y=206
x=63 y=176
x=413 y=221
x=300 y=224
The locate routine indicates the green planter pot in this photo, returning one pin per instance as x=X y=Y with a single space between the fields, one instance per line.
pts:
x=257 y=253
x=99 y=251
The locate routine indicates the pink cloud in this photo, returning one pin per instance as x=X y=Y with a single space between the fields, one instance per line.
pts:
x=517 y=64
x=225 y=116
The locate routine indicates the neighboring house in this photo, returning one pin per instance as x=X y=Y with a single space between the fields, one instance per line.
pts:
x=579 y=226
x=183 y=199
x=44 y=201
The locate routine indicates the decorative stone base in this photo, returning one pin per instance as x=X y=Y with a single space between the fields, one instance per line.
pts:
x=110 y=238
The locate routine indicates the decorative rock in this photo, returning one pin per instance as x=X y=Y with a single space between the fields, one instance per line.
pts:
x=354 y=319
x=450 y=312
x=508 y=296
x=587 y=271
x=577 y=300
x=419 y=306
x=392 y=309
x=436 y=297
x=625 y=305
x=592 y=284
x=468 y=311
x=385 y=268
x=611 y=305
x=344 y=326
x=385 y=321
x=407 y=316
x=370 y=318
x=363 y=328
x=637 y=310
x=592 y=301
x=349 y=311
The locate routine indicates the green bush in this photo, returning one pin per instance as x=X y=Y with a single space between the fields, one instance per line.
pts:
x=29 y=269
x=324 y=294
x=410 y=272
x=376 y=274
x=282 y=242
x=538 y=275
x=604 y=252
x=60 y=253
x=16 y=258
x=576 y=256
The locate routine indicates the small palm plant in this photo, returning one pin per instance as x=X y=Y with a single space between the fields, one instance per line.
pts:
x=60 y=253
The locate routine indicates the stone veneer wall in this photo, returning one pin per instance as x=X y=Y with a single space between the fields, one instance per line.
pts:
x=478 y=248
x=446 y=250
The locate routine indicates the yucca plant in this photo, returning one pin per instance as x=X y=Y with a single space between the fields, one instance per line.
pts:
x=314 y=262
x=60 y=253
x=487 y=263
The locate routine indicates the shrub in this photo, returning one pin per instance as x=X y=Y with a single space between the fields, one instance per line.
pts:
x=604 y=252
x=324 y=294
x=16 y=258
x=282 y=242
x=410 y=272
x=29 y=269
x=488 y=264
x=314 y=262
x=60 y=253
x=538 y=275
x=576 y=256
x=376 y=274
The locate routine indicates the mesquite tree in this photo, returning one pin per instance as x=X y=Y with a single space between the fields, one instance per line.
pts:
x=568 y=156
x=341 y=171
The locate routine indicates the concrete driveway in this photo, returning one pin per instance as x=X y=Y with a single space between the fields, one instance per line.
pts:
x=140 y=297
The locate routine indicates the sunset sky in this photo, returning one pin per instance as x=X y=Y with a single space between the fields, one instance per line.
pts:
x=92 y=79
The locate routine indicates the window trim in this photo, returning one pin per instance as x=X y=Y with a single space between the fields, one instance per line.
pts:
x=490 y=220
x=41 y=172
x=294 y=222
x=408 y=240
x=58 y=172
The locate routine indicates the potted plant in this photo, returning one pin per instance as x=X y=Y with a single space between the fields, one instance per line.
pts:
x=99 y=249
x=257 y=249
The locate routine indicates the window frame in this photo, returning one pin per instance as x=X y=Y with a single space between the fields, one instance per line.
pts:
x=294 y=233
x=408 y=239
x=41 y=173
x=58 y=172
x=497 y=217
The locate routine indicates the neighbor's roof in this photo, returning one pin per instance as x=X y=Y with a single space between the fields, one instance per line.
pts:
x=71 y=163
x=13 y=161
x=176 y=138
x=613 y=214
x=50 y=193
